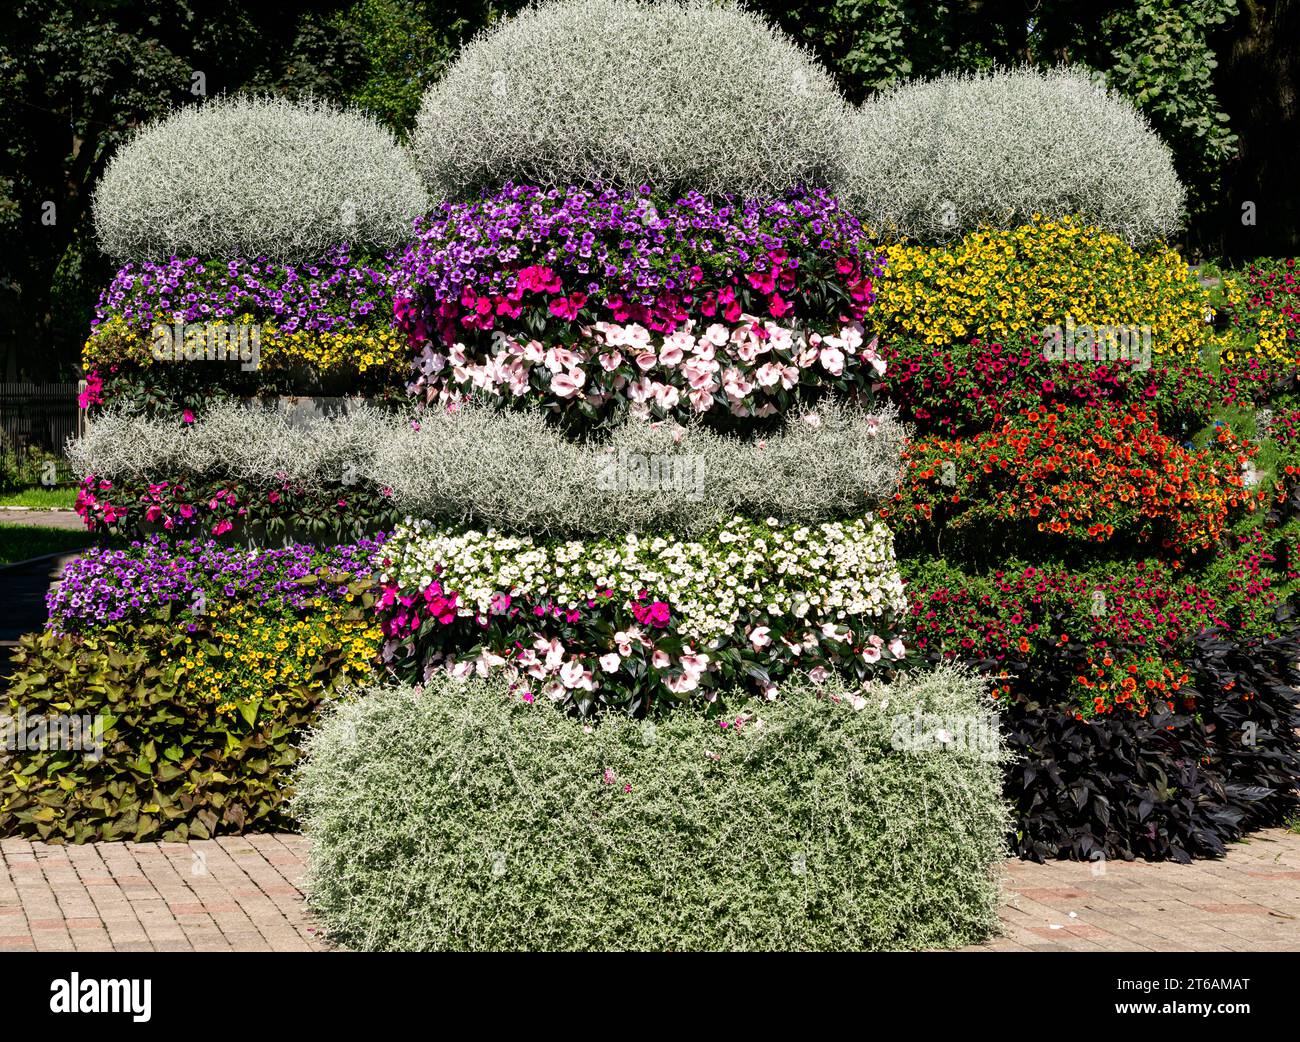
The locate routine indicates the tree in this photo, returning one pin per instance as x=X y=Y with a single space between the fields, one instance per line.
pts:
x=76 y=78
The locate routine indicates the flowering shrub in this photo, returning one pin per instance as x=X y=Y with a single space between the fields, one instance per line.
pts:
x=1073 y=475
x=1264 y=305
x=968 y=387
x=635 y=621
x=1005 y=285
x=598 y=300
x=776 y=827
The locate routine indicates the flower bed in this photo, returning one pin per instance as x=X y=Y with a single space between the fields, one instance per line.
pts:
x=971 y=387
x=200 y=668
x=1073 y=475
x=599 y=301
x=998 y=285
x=157 y=321
x=637 y=622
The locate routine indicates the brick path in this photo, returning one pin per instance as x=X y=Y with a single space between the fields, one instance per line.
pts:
x=1248 y=901
x=243 y=894
x=233 y=894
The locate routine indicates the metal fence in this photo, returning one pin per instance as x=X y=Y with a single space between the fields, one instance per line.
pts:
x=40 y=415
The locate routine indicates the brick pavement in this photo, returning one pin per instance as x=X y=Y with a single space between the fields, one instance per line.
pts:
x=1248 y=901
x=243 y=893
x=240 y=893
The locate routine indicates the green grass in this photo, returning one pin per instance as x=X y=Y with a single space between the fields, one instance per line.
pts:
x=20 y=542
x=40 y=498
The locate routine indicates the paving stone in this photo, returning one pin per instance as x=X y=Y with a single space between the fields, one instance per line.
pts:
x=243 y=893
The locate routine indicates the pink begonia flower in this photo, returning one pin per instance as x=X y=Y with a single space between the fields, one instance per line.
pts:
x=573 y=674
x=768 y=374
x=637 y=337
x=770 y=692
x=734 y=383
x=610 y=663
x=671 y=356
x=832 y=359
x=646 y=361
x=486 y=662
x=897 y=648
x=610 y=360
x=759 y=637
x=717 y=334
x=818 y=674
x=567 y=385
x=701 y=401
x=667 y=396
x=870 y=655
x=555 y=691
x=660 y=659
x=683 y=684
x=694 y=665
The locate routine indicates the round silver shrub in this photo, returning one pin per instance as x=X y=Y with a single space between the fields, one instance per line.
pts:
x=932 y=160
x=253 y=177
x=461 y=817
x=673 y=93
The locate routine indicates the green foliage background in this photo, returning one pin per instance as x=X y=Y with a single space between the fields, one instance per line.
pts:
x=1218 y=79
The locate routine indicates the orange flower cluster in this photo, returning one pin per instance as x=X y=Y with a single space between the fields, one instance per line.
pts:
x=1079 y=474
x=1131 y=684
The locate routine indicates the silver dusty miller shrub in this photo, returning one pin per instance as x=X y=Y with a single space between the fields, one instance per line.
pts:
x=934 y=159
x=256 y=176
x=672 y=93
x=461 y=817
x=514 y=471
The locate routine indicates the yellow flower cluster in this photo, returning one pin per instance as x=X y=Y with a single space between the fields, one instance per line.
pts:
x=115 y=340
x=1265 y=333
x=345 y=351
x=251 y=655
x=1000 y=285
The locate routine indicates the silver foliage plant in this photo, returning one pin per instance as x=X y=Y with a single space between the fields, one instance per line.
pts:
x=673 y=93
x=460 y=817
x=514 y=471
x=256 y=176
x=934 y=159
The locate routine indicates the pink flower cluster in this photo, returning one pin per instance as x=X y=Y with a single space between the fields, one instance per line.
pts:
x=750 y=367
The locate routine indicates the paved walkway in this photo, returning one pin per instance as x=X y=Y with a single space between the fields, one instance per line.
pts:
x=233 y=894
x=244 y=894
x=68 y=519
